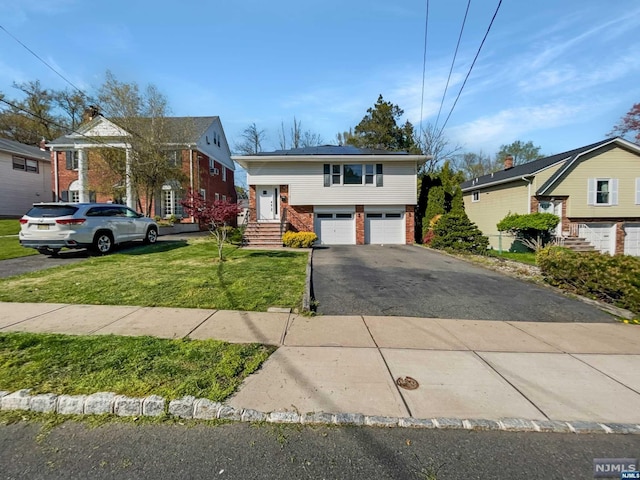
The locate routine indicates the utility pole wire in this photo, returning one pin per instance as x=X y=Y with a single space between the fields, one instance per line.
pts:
x=39 y=58
x=453 y=61
x=470 y=68
x=424 y=64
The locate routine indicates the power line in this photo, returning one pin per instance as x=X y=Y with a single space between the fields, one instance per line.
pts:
x=453 y=61
x=471 y=67
x=424 y=63
x=39 y=58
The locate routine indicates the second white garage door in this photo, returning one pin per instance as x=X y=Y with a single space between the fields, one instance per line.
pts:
x=335 y=228
x=632 y=239
x=384 y=228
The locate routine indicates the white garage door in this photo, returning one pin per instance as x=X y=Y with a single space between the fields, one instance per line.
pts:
x=381 y=228
x=632 y=239
x=601 y=235
x=335 y=228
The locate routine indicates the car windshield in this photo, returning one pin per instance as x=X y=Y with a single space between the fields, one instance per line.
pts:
x=51 y=211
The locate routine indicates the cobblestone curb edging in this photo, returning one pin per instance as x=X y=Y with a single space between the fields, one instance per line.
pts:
x=189 y=407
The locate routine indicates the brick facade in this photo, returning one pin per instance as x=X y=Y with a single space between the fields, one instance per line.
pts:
x=410 y=224
x=359 y=224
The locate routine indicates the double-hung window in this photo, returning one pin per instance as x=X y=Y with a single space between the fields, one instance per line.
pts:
x=602 y=191
x=26 y=165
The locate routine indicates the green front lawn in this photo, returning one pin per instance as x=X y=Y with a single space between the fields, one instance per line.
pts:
x=170 y=274
x=9 y=245
x=132 y=366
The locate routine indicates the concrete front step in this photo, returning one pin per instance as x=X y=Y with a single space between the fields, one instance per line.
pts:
x=262 y=235
x=578 y=244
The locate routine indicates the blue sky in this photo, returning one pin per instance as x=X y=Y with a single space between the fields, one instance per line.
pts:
x=559 y=73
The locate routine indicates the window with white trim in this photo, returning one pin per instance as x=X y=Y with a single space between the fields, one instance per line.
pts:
x=224 y=173
x=475 y=196
x=602 y=191
x=224 y=198
x=203 y=193
x=353 y=174
x=217 y=197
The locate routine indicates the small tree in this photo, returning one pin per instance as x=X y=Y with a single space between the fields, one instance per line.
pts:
x=455 y=232
x=533 y=230
x=217 y=215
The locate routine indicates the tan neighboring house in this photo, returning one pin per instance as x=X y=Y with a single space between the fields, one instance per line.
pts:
x=595 y=190
x=25 y=177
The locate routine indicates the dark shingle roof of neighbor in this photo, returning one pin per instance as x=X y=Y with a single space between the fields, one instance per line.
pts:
x=529 y=168
x=176 y=125
x=329 y=150
x=18 y=148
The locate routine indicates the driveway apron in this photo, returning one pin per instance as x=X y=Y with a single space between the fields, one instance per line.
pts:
x=410 y=281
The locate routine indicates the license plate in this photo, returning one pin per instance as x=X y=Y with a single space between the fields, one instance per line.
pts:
x=43 y=227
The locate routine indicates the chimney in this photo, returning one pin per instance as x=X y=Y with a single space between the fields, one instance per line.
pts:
x=43 y=144
x=508 y=162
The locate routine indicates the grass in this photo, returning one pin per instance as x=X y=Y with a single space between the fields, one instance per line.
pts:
x=132 y=366
x=10 y=246
x=522 y=257
x=170 y=274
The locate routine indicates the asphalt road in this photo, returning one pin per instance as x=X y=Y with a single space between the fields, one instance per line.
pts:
x=243 y=451
x=403 y=280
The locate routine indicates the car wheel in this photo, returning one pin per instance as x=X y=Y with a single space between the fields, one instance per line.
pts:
x=103 y=243
x=152 y=236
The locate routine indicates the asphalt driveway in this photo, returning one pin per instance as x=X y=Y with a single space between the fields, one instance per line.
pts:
x=404 y=280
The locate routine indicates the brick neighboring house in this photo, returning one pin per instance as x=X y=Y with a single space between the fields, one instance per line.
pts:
x=344 y=194
x=25 y=177
x=595 y=190
x=203 y=155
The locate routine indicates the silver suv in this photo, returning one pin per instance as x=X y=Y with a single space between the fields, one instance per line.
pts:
x=48 y=227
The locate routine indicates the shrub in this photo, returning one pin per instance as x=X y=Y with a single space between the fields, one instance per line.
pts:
x=234 y=235
x=455 y=232
x=299 y=239
x=532 y=230
x=612 y=279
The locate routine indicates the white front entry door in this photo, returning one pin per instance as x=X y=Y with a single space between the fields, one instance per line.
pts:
x=555 y=207
x=267 y=197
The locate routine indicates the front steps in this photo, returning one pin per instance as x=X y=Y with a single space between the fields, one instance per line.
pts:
x=577 y=244
x=264 y=235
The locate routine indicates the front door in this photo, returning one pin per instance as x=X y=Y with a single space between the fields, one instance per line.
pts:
x=267 y=202
x=555 y=207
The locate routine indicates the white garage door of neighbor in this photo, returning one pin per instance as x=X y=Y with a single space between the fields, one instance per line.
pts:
x=335 y=228
x=381 y=228
x=601 y=235
x=632 y=239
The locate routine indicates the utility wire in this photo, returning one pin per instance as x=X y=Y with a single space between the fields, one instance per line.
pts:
x=471 y=68
x=455 y=54
x=424 y=63
x=39 y=58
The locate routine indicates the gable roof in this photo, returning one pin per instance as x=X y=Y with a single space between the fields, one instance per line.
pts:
x=531 y=168
x=17 y=148
x=176 y=126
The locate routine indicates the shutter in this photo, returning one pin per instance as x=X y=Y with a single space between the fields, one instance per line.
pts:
x=69 y=156
x=327 y=175
x=64 y=195
x=614 y=191
x=92 y=197
x=378 y=175
x=591 y=191
x=637 y=191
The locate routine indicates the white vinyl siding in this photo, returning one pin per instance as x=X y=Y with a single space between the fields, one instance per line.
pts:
x=19 y=189
x=307 y=186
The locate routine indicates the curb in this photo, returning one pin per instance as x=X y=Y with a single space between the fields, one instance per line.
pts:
x=189 y=407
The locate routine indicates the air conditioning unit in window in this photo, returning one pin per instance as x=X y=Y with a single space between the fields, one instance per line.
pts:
x=214 y=171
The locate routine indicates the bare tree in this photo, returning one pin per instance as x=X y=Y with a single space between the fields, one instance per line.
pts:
x=473 y=164
x=297 y=138
x=342 y=138
x=155 y=140
x=251 y=140
x=433 y=143
x=311 y=139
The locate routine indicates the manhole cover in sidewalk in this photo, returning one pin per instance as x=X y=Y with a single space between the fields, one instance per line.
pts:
x=408 y=383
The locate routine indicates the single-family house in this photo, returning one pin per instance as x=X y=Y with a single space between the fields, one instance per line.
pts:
x=25 y=177
x=595 y=190
x=346 y=195
x=199 y=149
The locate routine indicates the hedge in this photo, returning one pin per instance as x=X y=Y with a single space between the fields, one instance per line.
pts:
x=612 y=279
x=299 y=239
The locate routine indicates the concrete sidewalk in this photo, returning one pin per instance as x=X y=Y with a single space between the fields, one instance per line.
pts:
x=465 y=369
